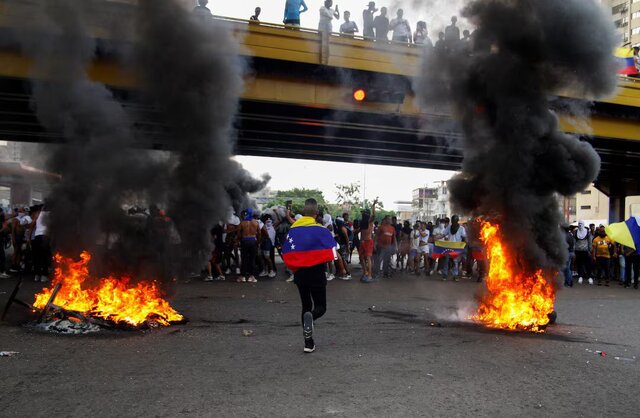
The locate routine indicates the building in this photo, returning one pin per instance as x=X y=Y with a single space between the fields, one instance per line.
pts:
x=592 y=206
x=431 y=202
x=626 y=18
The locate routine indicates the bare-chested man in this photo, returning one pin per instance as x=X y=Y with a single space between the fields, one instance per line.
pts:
x=249 y=231
x=366 y=242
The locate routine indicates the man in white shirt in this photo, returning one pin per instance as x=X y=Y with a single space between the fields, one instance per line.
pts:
x=326 y=16
x=400 y=27
x=455 y=233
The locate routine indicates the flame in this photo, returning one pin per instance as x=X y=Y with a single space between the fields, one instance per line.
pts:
x=114 y=299
x=515 y=300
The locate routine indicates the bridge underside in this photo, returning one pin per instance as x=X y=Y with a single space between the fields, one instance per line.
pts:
x=294 y=131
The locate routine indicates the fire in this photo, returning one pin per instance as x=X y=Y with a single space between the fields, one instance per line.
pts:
x=114 y=299
x=515 y=300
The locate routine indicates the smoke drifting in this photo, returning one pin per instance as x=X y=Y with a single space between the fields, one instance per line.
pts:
x=515 y=159
x=192 y=73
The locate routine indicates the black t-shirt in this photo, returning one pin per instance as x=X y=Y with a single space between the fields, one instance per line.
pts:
x=311 y=276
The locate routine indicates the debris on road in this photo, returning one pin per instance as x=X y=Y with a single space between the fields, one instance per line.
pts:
x=247 y=332
x=8 y=353
x=627 y=359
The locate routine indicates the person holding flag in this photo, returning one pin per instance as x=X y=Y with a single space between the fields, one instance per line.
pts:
x=306 y=249
x=453 y=248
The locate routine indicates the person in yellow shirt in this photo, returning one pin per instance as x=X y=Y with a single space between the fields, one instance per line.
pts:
x=603 y=249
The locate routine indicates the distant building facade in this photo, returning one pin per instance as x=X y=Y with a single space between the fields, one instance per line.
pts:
x=431 y=202
x=626 y=18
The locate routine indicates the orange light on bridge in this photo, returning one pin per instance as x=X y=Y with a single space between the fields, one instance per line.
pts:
x=359 y=95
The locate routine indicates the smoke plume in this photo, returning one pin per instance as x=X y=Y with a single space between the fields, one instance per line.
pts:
x=192 y=72
x=193 y=75
x=516 y=161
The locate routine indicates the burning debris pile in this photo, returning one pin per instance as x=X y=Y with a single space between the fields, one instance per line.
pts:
x=515 y=159
x=113 y=301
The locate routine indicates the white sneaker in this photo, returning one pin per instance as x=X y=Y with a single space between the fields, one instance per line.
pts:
x=220 y=278
x=290 y=279
x=580 y=280
x=237 y=270
x=4 y=275
x=44 y=279
x=252 y=279
x=36 y=278
x=208 y=279
x=590 y=280
x=330 y=277
x=272 y=274
x=241 y=279
x=228 y=271
x=346 y=278
x=263 y=273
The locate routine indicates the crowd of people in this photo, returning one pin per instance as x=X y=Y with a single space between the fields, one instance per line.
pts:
x=246 y=248
x=24 y=232
x=375 y=27
x=594 y=258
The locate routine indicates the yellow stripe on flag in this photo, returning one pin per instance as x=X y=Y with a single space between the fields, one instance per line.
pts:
x=619 y=232
x=451 y=245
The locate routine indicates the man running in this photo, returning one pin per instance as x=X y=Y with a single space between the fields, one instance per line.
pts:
x=306 y=250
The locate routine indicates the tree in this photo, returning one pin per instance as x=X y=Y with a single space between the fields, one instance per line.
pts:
x=348 y=194
x=297 y=197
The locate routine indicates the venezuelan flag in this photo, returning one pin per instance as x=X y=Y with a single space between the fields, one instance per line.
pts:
x=626 y=233
x=625 y=58
x=448 y=248
x=308 y=244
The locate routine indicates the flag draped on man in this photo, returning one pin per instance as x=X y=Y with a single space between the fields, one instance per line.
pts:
x=308 y=244
x=448 y=248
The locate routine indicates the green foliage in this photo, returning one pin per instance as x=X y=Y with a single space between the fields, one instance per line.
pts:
x=348 y=194
x=297 y=196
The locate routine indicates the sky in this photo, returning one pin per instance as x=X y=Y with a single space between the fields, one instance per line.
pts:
x=391 y=184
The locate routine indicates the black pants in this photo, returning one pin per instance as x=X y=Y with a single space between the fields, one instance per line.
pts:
x=314 y=299
x=248 y=254
x=583 y=264
x=41 y=255
x=602 y=265
x=632 y=264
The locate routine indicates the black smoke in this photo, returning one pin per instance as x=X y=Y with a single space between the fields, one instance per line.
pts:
x=516 y=161
x=193 y=75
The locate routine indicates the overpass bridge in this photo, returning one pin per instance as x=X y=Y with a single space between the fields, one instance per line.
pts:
x=298 y=100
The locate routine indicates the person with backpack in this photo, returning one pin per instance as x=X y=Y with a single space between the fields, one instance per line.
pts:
x=583 y=241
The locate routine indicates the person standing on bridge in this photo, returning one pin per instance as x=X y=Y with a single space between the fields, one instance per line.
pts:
x=256 y=16
x=381 y=25
x=367 y=20
x=400 y=27
x=327 y=15
x=307 y=249
x=349 y=27
x=201 y=11
x=292 y=10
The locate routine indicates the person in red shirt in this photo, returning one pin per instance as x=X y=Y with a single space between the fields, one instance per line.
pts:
x=386 y=246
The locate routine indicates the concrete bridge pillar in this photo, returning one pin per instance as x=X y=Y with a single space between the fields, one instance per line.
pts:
x=616 y=208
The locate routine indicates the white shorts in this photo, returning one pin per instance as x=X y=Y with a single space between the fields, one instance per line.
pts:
x=423 y=249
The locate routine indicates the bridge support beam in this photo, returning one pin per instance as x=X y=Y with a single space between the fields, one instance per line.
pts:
x=616 y=208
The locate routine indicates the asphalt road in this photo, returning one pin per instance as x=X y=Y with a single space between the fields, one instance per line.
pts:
x=380 y=353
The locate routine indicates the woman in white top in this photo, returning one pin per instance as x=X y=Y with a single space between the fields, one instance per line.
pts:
x=326 y=16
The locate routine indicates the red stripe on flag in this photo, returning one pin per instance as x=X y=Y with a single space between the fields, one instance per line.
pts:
x=297 y=259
